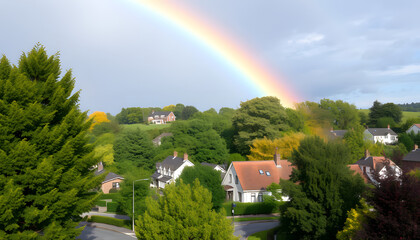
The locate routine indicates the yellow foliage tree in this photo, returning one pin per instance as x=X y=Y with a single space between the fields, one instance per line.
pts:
x=356 y=217
x=169 y=108
x=98 y=117
x=263 y=149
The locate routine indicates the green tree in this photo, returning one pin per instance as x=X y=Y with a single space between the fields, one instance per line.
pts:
x=134 y=148
x=379 y=110
x=321 y=190
x=346 y=115
x=405 y=139
x=183 y=212
x=178 y=110
x=356 y=217
x=44 y=151
x=354 y=139
x=209 y=178
x=188 y=112
x=258 y=118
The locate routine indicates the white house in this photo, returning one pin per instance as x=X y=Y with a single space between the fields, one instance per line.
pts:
x=169 y=170
x=247 y=181
x=382 y=135
x=415 y=129
x=369 y=166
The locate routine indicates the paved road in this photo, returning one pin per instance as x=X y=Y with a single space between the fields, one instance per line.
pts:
x=94 y=233
x=244 y=229
x=107 y=215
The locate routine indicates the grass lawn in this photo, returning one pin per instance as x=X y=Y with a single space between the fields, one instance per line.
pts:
x=144 y=127
x=405 y=115
x=264 y=235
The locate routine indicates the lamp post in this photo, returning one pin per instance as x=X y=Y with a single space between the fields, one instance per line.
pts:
x=144 y=179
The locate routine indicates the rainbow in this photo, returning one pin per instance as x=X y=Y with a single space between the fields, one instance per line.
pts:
x=224 y=46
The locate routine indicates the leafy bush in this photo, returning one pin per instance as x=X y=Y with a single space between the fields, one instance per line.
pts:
x=111 y=221
x=266 y=207
x=113 y=196
x=113 y=207
x=100 y=203
x=113 y=190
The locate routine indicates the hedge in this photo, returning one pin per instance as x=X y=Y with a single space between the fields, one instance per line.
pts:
x=252 y=208
x=113 y=196
x=112 y=207
x=110 y=221
x=100 y=203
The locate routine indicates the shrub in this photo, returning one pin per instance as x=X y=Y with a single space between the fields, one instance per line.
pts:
x=113 y=190
x=100 y=203
x=266 y=207
x=113 y=196
x=111 y=221
x=113 y=207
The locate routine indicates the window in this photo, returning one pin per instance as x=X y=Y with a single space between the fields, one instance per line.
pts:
x=116 y=185
x=261 y=172
x=240 y=196
x=260 y=197
x=252 y=197
x=267 y=173
x=236 y=179
x=230 y=178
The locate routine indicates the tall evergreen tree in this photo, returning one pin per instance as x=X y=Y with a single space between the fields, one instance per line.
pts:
x=44 y=152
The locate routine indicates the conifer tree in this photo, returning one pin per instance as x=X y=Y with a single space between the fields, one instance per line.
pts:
x=44 y=152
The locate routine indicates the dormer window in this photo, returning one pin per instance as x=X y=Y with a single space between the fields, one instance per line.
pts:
x=261 y=172
x=267 y=173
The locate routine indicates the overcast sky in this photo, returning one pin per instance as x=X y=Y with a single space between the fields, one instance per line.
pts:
x=123 y=56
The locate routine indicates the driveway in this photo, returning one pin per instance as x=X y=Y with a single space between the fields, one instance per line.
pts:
x=244 y=229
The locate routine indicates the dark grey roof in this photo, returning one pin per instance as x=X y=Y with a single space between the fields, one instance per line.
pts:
x=366 y=162
x=381 y=131
x=157 y=139
x=112 y=176
x=339 y=133
x=165 y=178
x=156 y=175
x=413 y=156
x=209 y=164
x=171 y=162
x=98 y=172
x=166 y=113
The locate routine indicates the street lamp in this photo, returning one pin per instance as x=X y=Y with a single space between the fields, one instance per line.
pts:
x=145 y=179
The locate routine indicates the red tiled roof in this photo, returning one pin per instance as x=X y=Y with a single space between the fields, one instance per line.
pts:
x=251 y=179
x=356 y=168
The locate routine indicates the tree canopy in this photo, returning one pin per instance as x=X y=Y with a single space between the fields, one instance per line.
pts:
x=321 y=190
x=379 y=110
x=183 y=212
x=44 y=150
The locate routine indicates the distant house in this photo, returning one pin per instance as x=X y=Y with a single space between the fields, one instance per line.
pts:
x=112 y=180
x=247 y=181
x=411 y=161
x=158 y=140
x=415 y=129
x=333 y=134
x=161 y=117
x=368 y=166
x=216 y=167
x=169 y=170
x=382 y=135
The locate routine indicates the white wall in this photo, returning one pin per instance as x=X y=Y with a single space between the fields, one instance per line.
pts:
x=414 y=129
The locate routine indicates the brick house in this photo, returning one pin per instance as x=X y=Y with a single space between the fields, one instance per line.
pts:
x=247 y=181
x=111 y=181
x=161 y=117
x=411 y=161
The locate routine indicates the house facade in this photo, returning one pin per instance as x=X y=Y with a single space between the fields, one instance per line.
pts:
x=247 y=181
x=415 y=129
x=169 y=170
x=368 y=166
x=161 y=117
x=411 y=161
x=111 y=181
x=381 y=135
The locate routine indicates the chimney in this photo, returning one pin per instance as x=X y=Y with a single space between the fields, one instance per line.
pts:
x=415 y=147
x=175 y=154
x=367 y=154
x=277 y=158
x=388 y=126
x=100 y=166
x=185 y=156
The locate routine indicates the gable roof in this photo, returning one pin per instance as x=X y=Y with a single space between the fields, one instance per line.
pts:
x=112 y=176
x=356 y=168
x=171 y=162
x=165 y=113
x=158 y=138
x=417 y=125
x=380 y=131
x=375 y=163
x=413 y=156
x=251 y=179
